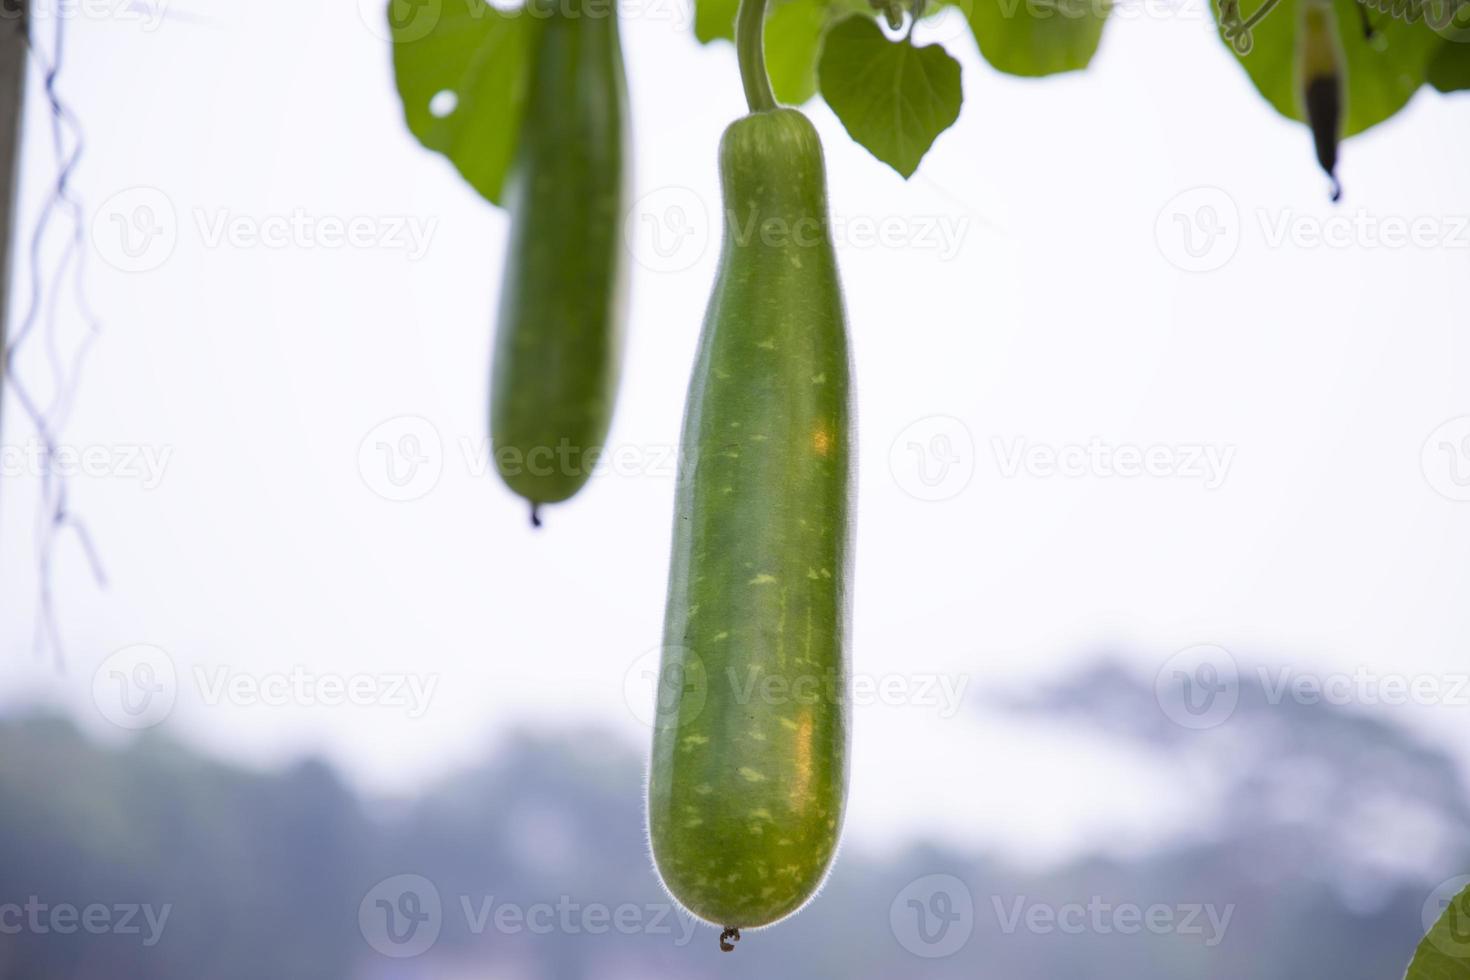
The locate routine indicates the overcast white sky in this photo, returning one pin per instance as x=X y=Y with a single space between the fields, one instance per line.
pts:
x=1057 y=313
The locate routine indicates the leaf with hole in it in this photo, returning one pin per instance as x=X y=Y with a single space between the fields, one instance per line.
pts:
x=1032 y=38
x=462 y=77
x=1382 y=73
x=893 y=98
x=1444 y=953
x=1449 y=69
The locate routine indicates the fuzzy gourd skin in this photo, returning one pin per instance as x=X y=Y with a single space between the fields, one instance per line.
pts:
x=563 y=302
x=748 y=781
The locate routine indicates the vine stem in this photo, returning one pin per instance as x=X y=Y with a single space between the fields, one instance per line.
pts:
x=750 y=32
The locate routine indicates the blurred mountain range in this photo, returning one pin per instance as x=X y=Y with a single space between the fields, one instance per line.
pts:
x=1330 y=831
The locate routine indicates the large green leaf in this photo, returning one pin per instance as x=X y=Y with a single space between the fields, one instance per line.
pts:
x=1036 y=37
x=893 y=97
x=1449 y=69
x=1444 y=953
x=478 y=54
x=1382 y=73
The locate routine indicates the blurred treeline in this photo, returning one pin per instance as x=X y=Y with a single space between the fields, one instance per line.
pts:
x=1329 y=831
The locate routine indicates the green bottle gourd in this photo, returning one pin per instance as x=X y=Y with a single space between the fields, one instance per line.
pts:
x=563 y=302
x=748 y=780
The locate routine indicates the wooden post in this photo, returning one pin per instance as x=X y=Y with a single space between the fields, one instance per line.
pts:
x=14 y=22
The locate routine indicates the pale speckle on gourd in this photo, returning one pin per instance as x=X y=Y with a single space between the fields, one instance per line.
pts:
x=721 y=635
x=819 y=379
x=763 y=578
x=768 y=344
x=751 y=775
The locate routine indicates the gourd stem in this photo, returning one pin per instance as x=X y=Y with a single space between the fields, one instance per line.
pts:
x=750 y=30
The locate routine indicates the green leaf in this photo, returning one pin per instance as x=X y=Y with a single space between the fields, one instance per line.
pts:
x=893 y=98
x=715 y=19
x=1444 y=954
x=793 y=42
x=1382 y=74
x=478 y=54
x=1036 y=37
x=1449 y=69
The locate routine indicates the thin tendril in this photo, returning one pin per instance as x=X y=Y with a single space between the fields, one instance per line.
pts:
x=54 y=516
